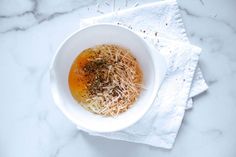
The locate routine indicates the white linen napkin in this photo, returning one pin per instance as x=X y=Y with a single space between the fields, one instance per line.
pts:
x=161 y=25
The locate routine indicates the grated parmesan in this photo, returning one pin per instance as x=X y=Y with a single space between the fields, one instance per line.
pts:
x=113 y=80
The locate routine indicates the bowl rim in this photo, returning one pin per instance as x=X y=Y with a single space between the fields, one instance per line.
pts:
x=72 y=118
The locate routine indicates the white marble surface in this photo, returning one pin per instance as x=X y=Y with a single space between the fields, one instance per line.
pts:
x=31 y=125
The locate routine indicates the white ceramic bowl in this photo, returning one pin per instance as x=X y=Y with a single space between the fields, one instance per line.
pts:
x=151 y=62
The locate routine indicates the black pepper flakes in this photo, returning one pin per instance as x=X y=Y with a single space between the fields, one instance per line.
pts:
x=92 y=66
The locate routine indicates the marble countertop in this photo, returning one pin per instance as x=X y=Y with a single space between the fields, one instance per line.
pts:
x=32 y=126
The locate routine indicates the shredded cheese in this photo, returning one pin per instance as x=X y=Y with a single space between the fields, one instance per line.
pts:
x=116 y=82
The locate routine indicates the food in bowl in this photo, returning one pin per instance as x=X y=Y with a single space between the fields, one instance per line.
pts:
x=152 y=65
x=106 y=79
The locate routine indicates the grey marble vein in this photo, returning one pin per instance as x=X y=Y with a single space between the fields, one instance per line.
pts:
x=216 y=133
x=31 y=124
x=33 y=11
x=202 y=2
x=40 y=18
x=189 y=13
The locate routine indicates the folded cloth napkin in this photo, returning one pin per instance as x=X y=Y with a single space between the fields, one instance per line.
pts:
x=161 y=26
x=162 y=17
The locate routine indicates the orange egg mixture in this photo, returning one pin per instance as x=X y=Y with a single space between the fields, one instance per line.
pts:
x=105 y=79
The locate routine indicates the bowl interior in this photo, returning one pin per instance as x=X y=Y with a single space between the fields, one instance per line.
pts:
x=89 y=37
